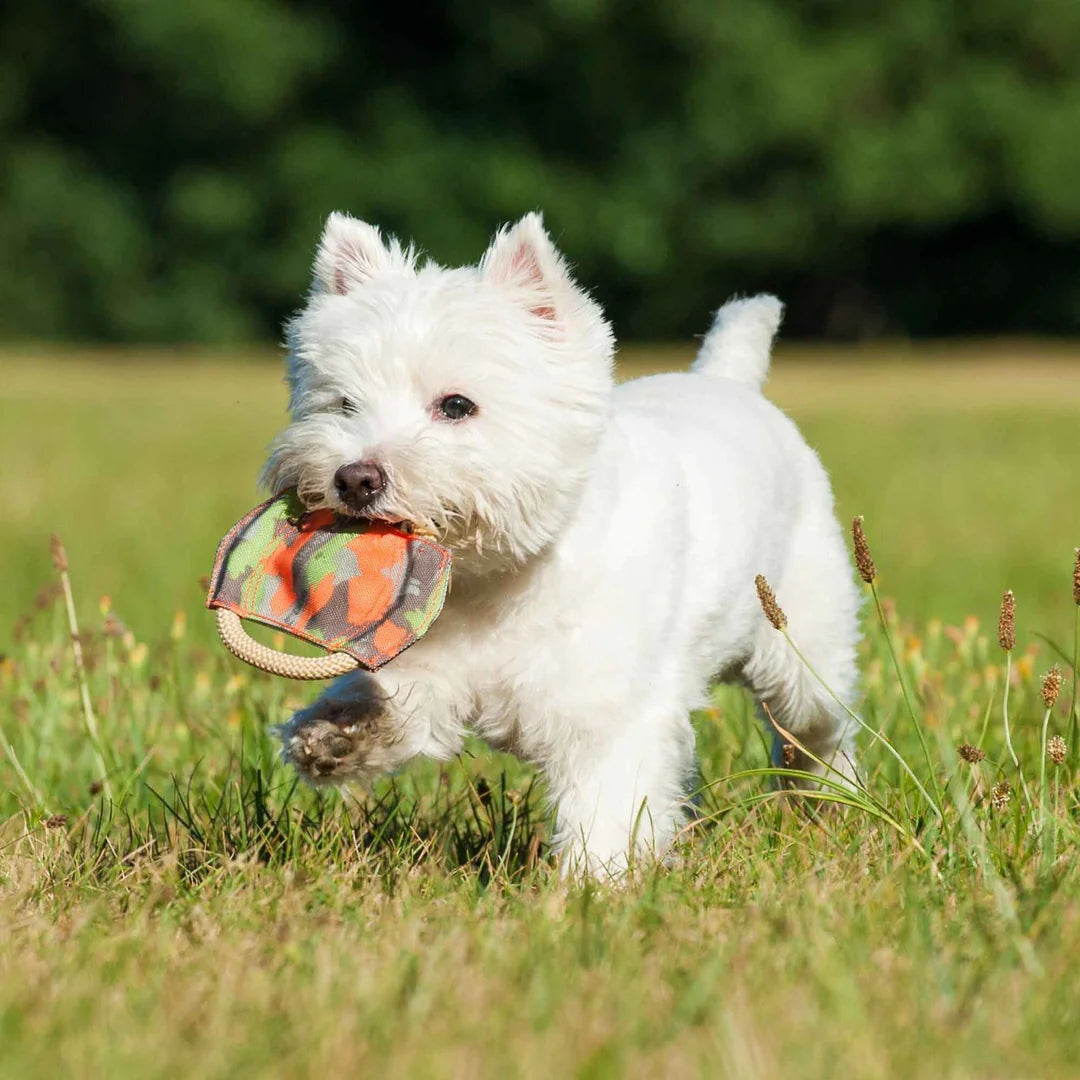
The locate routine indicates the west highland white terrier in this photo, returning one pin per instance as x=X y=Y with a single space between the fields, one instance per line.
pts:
x=605 y=538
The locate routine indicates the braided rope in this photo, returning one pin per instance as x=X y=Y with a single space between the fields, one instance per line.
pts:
x=237 y=640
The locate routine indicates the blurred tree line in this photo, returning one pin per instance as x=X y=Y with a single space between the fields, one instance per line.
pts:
x=886 y=166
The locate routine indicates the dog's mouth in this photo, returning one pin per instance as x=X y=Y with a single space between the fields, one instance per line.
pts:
x=375 y=515
x=402 y=525
x=360 y=513
x=407 y=527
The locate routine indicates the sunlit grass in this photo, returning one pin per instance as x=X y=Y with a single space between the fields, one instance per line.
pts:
x=215 y=918
x=967 y=469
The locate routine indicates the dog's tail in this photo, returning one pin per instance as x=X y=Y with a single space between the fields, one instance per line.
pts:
x=739 y=343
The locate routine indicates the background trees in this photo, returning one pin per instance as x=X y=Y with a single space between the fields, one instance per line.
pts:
x=887 y=167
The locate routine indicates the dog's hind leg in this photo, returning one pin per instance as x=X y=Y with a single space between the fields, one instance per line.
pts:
x=807 y=698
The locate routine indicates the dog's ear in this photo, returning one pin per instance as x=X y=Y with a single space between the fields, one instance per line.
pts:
x=523 y=258
x=351 y=252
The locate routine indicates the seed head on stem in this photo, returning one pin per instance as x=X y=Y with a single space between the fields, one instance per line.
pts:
x=1074 y=708
x=1007 y=622
x=1056 y=749
x=773 y=612
x=787 y=755
x=1051 y=686
x=971 y=754
x=1007 y=640
x=863 y=559
x=1000 y=794
x=60 y=561
x=59 y=554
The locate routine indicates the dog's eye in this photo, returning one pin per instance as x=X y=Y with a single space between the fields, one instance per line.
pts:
x=348 y=407
x=456 y=407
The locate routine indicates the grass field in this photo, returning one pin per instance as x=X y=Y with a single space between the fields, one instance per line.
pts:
x=172 y=904
x=963 y=460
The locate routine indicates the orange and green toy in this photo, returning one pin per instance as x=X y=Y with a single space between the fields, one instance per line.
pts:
x=364 y=591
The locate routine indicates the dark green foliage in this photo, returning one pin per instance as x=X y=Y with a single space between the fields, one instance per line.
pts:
x=886 y=167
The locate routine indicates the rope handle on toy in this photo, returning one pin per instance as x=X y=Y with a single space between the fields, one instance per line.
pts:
x=241 y=644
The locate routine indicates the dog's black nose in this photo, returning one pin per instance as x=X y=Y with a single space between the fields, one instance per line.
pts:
x=359 y=483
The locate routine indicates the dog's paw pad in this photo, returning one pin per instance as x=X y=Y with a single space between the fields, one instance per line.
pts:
x=325 y=751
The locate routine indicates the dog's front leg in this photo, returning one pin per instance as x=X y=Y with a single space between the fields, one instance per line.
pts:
x=366 y=725
x=622 y=796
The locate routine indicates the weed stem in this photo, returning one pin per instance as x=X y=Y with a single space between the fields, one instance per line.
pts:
x=866 y=727
x=1074 y=709
x=1005 y=719
x=1042 y=786
x=61 y=564
x=903 y=686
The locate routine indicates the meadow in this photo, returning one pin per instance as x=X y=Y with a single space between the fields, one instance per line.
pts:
x=173 y=903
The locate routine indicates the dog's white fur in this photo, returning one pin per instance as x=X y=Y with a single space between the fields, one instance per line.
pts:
x=606 y=538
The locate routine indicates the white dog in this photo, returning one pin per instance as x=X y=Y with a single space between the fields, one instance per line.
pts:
x=605 y=538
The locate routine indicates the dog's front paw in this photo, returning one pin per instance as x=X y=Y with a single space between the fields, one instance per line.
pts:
x=336 y=740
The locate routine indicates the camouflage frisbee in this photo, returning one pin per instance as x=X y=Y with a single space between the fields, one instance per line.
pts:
x=359 y=588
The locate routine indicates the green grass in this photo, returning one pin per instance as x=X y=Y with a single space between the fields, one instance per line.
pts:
x=963 y=465
x=215 y=919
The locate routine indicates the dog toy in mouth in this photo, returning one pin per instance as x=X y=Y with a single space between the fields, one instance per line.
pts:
x=363 y=590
